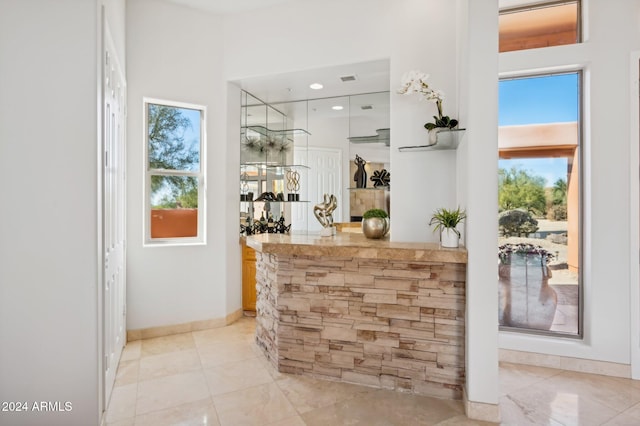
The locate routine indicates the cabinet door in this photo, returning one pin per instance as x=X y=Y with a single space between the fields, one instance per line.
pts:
x=248 y=279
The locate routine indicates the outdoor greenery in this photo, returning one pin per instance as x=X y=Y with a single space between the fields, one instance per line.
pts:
x=167 y=150
x=374 y=213
x=517 y=189
x=522 y=197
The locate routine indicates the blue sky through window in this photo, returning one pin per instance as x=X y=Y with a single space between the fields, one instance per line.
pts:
x=539 y=100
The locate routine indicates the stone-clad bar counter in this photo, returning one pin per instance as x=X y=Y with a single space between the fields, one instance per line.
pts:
x=373 y=312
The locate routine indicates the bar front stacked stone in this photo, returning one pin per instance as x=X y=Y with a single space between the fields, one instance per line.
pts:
x=384 y=322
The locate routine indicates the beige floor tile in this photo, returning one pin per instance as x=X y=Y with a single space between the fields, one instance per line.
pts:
x=164 y=344
x=198 y=413
x=513 y=413
x=125 y=422
x=463 y=420
x=623 y=420
x=385 y=408
x=307 y=393
x=259 y=405
x=236 y=376
x=601 y=389
x=131 y=351
x=171 y=391
x=127 y=372
x=634 y=412
x=223 y=353
x=232 y=333
x=270 y=368
x=168 y=364
x=290 y=421
x=517 y=376
x=566 y=405
x=122 y=405
x=247 y=390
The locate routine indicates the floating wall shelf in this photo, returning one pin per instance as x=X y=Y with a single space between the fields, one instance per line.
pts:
x=269 y=132
x=446 y=139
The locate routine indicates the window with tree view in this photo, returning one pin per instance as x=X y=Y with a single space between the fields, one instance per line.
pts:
x=539 y=200
x=174 y=172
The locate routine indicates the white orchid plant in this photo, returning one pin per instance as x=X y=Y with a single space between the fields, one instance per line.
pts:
x=415 y=82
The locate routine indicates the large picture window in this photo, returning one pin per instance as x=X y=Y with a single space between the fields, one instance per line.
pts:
x=539 y=197
x=175 y=181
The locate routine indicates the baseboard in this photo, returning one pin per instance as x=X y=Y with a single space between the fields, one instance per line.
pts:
x=480 y=410
x=167 y=330
x=566 y=363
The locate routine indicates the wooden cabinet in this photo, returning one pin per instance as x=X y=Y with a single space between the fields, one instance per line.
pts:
x=248 y=278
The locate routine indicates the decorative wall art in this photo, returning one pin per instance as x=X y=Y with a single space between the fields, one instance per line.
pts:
x=360 y=176
x=381 y=178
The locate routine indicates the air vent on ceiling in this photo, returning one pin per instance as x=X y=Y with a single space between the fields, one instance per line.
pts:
x=346 y=78
x=366 y=107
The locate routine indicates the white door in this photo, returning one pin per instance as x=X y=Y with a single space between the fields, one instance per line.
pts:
x=325 y=177
x=113 y=203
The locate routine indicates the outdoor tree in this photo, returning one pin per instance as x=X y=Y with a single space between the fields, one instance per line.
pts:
x=560 y=192
x=168 y=150
x=517 y=189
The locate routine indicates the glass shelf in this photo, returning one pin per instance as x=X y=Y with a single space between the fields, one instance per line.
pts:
x=371 y=188
x=381 y=136
x=287 y=166
x=264 y=131
x=445 y=140
x=275 y=201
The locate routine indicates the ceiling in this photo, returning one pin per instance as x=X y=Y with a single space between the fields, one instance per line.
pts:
x=372 y=76
x=228 y=7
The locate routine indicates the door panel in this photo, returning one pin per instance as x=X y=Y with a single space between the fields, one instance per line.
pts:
x=325 y=177
x=113 y=202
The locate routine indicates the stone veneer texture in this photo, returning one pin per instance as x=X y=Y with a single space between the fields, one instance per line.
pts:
x=383 y=323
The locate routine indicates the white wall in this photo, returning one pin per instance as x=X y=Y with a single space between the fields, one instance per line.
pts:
x=410 y=34
x=175 y=53
x=49 y=258
x=604 y=56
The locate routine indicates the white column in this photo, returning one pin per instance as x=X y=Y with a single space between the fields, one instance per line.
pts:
x=477 y=192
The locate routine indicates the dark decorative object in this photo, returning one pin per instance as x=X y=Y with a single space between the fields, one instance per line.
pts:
x=281 y=228
x=381 y=178
x=264 y=226
x=280 y=196
x=361 y=174
x=267 y=196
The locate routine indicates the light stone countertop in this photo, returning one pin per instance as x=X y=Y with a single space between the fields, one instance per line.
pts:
x=348 y=244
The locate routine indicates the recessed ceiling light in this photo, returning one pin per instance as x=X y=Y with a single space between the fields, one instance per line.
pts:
x=337 y=107
x=316 y=86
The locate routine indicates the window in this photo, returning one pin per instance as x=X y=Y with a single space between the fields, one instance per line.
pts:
x=539 y=196
x=548 y=24
x=175 y=179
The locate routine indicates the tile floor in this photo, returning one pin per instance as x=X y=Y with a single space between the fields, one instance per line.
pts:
x=219 y=377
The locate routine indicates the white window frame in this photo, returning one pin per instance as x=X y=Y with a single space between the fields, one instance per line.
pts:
x=200 y=238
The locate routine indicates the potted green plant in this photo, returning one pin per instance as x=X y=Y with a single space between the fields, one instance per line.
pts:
x=375 y=223
x=446 y=222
